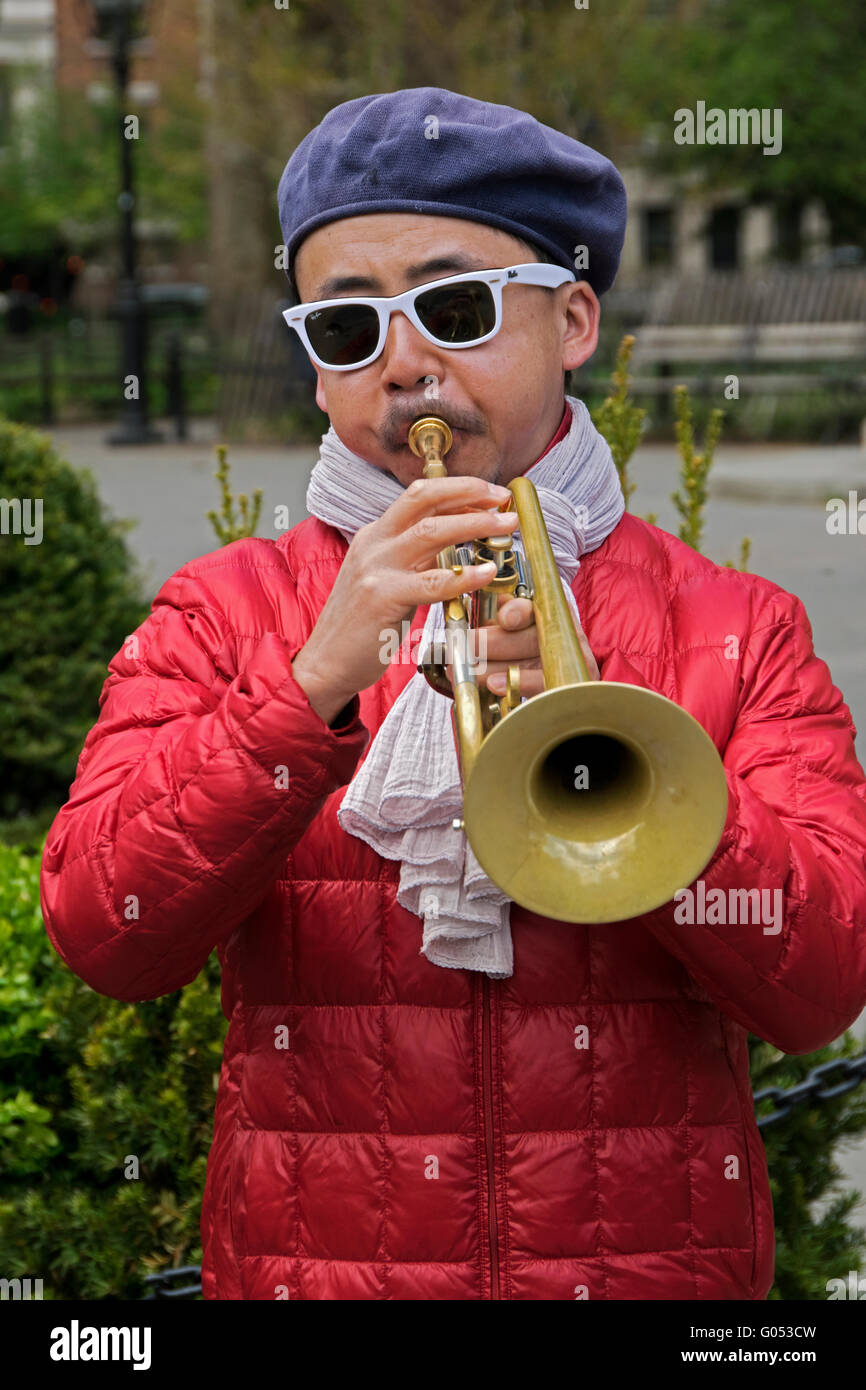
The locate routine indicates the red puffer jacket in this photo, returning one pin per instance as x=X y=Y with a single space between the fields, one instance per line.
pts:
x=385 y=1128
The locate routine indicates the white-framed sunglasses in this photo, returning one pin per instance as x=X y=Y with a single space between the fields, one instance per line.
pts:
x=459 y=311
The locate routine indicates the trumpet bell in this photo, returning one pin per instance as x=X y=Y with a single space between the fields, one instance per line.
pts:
x=595 y=802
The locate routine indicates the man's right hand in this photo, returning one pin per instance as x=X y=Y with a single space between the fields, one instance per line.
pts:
x=389 y=569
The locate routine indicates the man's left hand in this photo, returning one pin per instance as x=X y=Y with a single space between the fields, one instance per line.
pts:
x=513 y=640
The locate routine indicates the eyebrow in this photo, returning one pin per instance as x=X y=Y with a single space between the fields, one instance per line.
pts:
x=452 y=264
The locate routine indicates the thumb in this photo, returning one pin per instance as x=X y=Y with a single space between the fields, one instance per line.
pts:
x=592 y=664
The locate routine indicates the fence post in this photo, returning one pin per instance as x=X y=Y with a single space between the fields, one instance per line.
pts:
x=665 y=413
x=175 y=385
x=46 y=377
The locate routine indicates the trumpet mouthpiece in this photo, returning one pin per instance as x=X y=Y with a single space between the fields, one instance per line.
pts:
x=430 y=438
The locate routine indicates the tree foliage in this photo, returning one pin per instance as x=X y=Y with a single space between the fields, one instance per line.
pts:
x=61 y=172
x=803 y=57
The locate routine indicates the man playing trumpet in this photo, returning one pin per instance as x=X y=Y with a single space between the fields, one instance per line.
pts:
x=429 y=1091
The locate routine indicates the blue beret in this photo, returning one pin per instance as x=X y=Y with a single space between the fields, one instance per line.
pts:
x=479 y=160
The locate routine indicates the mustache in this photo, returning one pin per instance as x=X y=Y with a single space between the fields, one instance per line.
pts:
x=392 y=435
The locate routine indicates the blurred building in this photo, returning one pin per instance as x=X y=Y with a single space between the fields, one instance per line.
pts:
x=672 y=228
x=61 y=44
x=27 y=57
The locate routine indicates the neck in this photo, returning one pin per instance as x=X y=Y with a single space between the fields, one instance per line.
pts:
x=561 y=431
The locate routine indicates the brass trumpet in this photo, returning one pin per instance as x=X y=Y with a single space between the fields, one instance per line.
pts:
x=594 y=801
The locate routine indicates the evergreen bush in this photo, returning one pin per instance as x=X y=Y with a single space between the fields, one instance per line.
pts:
x=67 y=601
x=106 y=1113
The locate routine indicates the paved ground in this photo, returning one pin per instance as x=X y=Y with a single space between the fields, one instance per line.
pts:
x=773 y=493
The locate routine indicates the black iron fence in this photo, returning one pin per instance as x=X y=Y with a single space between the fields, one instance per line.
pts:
x=788 y=333
x=174 y=1283
x=257 y=370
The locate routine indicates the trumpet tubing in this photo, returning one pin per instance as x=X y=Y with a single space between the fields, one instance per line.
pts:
x=594 y=801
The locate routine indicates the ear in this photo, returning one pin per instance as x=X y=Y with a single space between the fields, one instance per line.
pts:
x=582 y=313
x=320 y=388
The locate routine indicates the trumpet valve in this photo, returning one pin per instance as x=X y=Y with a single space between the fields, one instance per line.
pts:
x=512 y=697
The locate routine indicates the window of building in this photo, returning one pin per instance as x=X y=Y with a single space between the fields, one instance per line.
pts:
x=658 y=236
x=789 y=240
x=724 y=235
x=106 y=23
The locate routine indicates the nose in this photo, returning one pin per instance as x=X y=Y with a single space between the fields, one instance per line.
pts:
x=408 y=359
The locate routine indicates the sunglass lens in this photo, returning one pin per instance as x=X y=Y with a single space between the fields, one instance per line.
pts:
x=343 y=335
x=458 y=313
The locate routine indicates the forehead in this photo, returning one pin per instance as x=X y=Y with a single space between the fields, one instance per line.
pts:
x=391 y=248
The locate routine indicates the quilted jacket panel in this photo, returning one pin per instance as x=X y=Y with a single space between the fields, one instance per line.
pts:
x=385 y=1128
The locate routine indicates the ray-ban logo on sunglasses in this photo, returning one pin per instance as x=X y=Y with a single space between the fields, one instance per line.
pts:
x=458 y=311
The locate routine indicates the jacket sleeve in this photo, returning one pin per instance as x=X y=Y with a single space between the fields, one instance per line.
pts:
x=796 y=827
x=191 y=789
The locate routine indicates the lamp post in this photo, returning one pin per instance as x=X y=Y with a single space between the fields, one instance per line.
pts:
x=117 y=18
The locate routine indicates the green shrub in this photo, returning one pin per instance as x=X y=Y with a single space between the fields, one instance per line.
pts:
x=812 y=1244
x=66 y=605
x=86 y=1082
x=230 y=526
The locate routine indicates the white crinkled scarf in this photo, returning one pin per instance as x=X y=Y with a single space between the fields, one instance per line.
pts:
x=408 y=792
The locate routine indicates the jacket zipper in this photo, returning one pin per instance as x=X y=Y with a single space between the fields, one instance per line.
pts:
x=486 y=1051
